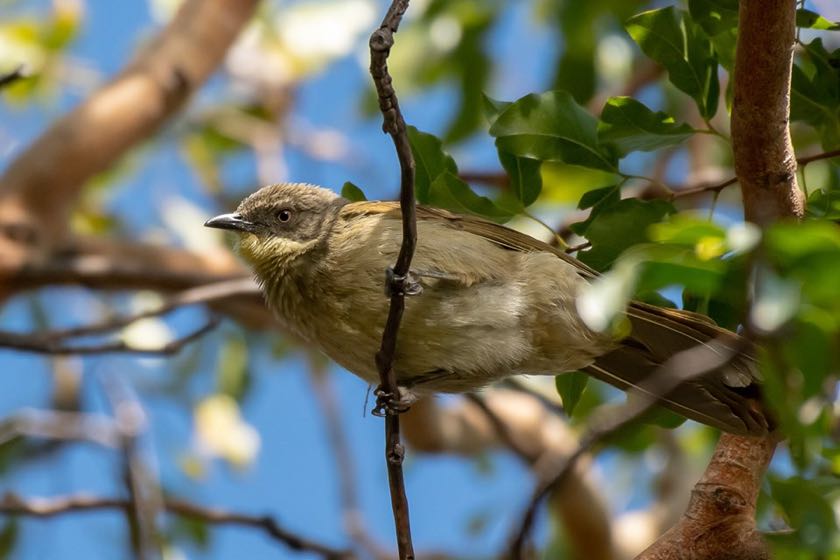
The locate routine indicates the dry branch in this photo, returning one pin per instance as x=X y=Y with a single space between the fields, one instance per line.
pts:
x=39 y=188
x=51 y=507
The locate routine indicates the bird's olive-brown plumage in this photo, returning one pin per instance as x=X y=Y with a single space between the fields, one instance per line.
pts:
x=495 y=302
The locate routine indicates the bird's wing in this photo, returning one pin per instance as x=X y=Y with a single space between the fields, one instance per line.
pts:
x=491 y=231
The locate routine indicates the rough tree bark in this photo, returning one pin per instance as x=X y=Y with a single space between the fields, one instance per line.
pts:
x=720 y=520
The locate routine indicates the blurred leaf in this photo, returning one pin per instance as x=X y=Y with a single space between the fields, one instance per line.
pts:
x=663 y=266
x=552 y=127
x=719 y=19
x=685 y=229
x=813 y=20
x=822 y=204
x=352 y=193
x=582 y=27
x=525 y=178
x=222 y=432
x=9 y=537
x=776 y=301
x=232 y=376
x=619 y=226
x=815 y=91
x=631 y=126
x=673 y=39
x=570 y=386
x=806 y=505
x=193 y=530
x=601 y=304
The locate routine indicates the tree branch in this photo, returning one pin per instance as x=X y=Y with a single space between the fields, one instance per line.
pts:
x=764 y=160
x=51 y=507
x=720 y=520
x=399 y=282
x=40 y=186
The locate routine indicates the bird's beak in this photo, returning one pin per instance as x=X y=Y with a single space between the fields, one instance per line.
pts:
x=234 y=222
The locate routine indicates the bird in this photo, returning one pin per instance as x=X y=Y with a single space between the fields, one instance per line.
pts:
x=494 y=303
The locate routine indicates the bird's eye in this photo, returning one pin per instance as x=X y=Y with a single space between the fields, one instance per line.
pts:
x=284 y=215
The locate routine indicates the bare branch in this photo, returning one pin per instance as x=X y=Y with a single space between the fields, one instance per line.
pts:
x=51 y=507
x=354 y=522
x=60 y=425
x=39 y=344
x=142 y=486
x=381 y=42
x=55 y=341
x=42 y=183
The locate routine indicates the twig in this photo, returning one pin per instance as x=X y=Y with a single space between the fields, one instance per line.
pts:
x=817 y=157
x=50 y=507
x=501 y=428
x=37 y=344
x=143 y=488
x=381 y=42
x=54 y=342
x=700 y=189
x=353 y=517
x=60 y=425
x=682 y=367
x=9 y=78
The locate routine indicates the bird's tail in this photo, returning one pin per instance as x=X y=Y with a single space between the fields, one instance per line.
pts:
x=728 y=398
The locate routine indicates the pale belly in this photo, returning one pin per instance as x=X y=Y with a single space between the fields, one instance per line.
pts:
x=457 y=338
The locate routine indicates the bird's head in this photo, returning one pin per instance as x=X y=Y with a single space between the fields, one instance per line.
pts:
x=278 y=223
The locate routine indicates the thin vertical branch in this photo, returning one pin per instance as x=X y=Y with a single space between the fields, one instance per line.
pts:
x=145 y=502
x=381 y=42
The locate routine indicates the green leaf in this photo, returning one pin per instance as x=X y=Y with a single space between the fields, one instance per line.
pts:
x=570 y=387
x=715 y=16
x=631 y=126
x=430 y=162
x=525 y=178
x=619 y=226
x=352 y=193
x=437 y=182
x=493 y=107
x=672 y=39
x=719 y=19
x=807 y=507
x=552 y=127
x=822 y=204
x=450 y=192
x=596 y=196
x=813 y=20
x=815 y=91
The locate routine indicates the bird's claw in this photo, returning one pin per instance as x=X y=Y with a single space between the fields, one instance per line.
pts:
x=405 y=285
x=389 y=403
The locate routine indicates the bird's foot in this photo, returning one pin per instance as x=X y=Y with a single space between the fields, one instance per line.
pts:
x=406 y=285
x=389 y=403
